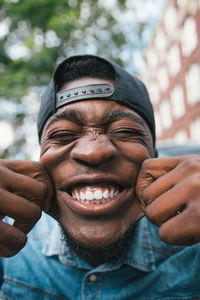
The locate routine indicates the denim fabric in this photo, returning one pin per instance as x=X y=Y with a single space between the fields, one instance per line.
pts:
x=152 y=270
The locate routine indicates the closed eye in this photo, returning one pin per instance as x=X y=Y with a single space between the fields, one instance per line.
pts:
x=127 y=134
x=64 y=137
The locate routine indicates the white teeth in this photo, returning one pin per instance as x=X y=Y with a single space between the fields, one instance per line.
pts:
x=112 y=191
x=98 y=195
x=95 y=194
x=105 y=194
x=116 y=193
x=82 y=196
x=89 y=195
x=77 y=196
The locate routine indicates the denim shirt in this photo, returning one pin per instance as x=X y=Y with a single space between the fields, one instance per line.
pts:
x=151 y=270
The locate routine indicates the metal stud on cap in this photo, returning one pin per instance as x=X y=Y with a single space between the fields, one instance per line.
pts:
x=94 y=91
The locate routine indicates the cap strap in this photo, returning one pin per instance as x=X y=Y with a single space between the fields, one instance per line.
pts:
x=92 y=91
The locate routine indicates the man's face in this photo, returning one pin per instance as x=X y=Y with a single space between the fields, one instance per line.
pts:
x=93 y=151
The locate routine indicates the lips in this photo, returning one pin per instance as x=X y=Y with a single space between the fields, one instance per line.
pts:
x=97 y=195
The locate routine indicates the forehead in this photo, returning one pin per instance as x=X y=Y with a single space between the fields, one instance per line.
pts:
x=94 y=110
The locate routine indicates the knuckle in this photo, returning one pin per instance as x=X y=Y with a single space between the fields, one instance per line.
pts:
x=3 y=162
x=36 y=213
x=147 y=163
x=33 y=213
x=4 y=176
x=39 y=170
x=144 y=196
x=165 y=236
x=15 y=245
x=194 y=182
x=194 y=210
x=191 y=163
x=150 y=213
x=19 y=242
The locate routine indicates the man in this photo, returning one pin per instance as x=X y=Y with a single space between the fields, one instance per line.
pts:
x=97 y=177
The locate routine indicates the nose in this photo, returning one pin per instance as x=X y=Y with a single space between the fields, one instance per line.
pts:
x=93 y=152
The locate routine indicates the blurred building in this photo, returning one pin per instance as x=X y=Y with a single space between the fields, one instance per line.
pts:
x=172 y=71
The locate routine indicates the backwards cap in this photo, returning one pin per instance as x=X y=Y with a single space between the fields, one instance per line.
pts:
x=128 y=90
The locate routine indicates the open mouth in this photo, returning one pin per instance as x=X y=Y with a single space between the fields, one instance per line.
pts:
x=95 y=193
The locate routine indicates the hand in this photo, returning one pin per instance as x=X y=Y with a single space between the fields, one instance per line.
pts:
x=25 y=190
x=169 y=192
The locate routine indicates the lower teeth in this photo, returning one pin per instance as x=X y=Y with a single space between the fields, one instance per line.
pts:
x=99 y=201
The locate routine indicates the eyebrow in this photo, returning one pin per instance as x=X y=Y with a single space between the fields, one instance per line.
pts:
x=119 y=115
x=108 y=117
x=66 y=114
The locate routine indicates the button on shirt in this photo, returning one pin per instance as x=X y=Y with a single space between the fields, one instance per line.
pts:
x=151 y=270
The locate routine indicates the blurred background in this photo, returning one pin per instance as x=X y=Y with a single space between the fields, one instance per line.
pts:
x=157 y=40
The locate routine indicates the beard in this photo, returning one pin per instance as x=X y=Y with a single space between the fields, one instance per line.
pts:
x=103 y=254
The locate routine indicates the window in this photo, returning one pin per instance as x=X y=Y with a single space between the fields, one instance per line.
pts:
x=195 y=130
x=182 y=3
x=165 y=114
x=193 y=84
x=158 y=124
x=189 y=36
x=160 y=42
x=163 y=78
x=154 y=92
x=174 y=60
x=177 y=100
x=181 y=136
x=170 y=20
x=152 y=59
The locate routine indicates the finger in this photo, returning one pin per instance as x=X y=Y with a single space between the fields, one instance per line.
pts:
x=25 y=167
x=34 y=170
x=156 y=168
x=168 y=203
x=183 y=229
x=24 y=186
x=12 y=240
x=150 y=170
x=167 y=181
x=24 y=212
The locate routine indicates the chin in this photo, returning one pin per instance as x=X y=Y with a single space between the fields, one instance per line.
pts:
x=96 y=250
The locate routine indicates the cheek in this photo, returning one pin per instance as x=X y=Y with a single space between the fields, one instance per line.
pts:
x=53 y=159
x=135 y=153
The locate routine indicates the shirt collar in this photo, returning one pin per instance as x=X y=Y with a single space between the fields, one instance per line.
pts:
x=139 y=256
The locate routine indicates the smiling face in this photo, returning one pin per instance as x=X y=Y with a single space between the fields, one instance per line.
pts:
x=93 y=151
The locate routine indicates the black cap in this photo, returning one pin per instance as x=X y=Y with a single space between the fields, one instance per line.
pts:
x=128 y=90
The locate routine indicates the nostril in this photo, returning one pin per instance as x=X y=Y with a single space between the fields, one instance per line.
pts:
x=94 y=161
x=94 y=158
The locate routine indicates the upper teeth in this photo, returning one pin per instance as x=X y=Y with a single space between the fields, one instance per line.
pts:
x=94 y=194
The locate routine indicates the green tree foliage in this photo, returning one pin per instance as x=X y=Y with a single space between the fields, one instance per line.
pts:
x=48 y=31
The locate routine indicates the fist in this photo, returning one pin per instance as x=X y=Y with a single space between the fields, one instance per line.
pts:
x=169 y=193
x=25 y=190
